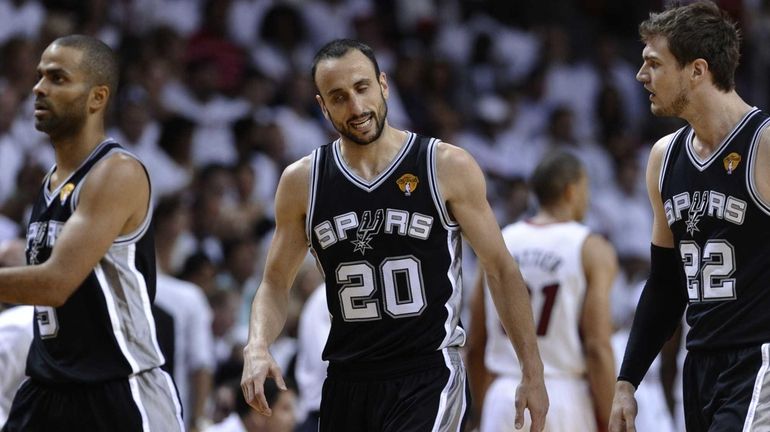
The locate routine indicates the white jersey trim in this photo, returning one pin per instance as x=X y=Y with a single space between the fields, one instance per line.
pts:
x=667 y=157
x=438 y=200
x=452 y=402
x=312 y=190
x=703 y=164
x=137 y=396
x=139 y=232
x=759 y=395
x=51 y=195
x=372 y=184
x=144 y=295
x=751 y=184
x=117 y=329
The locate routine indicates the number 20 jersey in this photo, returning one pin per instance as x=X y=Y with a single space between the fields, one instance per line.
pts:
x=549 y=258
x=721 y=231
x=390 y=255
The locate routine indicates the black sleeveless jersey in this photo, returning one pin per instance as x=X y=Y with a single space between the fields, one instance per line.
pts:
x=105 y=330
x=390 y=255
x=721 y=230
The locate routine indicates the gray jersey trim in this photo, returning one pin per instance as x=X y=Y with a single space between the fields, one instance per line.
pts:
x=145 y=225
x=129 y=308
x=156 y=398
x=455 y=335
x=452 y=403
x=758 y=416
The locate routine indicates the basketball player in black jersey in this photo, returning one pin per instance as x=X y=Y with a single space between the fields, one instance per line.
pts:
x=710 y=192
x=94 y=360
x=382 y=210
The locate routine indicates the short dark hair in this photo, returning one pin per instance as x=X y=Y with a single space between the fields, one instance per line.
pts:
x=553 y=174
x=338 y=48
x=699 y=30
x=99 y=62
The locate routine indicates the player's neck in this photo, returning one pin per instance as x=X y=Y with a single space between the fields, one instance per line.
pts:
x=714 y=117
x=369 y=160
x=553 y=214
x=72 y=150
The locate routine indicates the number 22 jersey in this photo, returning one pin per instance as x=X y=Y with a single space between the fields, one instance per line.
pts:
x=721 y=231
x=390 y=256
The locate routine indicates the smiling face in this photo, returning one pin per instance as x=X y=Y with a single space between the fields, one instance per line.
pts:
x=664 y=79
x=61 y=93
x=352 y=96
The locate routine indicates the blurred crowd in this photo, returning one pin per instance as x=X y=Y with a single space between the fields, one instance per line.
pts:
x=216 y=98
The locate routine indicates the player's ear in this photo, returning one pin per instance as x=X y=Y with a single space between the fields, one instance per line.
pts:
x=700 y=68
x=322 y=104
x=383 y=79
x=98 y=98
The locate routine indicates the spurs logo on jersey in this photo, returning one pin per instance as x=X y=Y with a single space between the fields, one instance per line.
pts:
x=696 y=211
x=368 y=227
x=704 y=203
x=41 y=235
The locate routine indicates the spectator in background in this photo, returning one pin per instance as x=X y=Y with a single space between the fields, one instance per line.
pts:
x=185 y=302
x=245 y=419
x=313 y=330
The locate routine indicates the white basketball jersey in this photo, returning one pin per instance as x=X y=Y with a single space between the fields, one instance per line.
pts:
x=549 y=257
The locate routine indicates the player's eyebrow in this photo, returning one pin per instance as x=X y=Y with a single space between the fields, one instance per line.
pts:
x=364 y=81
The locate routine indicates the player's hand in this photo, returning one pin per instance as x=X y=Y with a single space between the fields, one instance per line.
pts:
x=531 y=394
x=624 y=408
x=258 y=365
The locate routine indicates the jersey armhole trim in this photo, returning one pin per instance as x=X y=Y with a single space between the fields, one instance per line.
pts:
x=751 y=185
x=667 y=157
x=438 y=199
x=144 y=226
x=312 y=188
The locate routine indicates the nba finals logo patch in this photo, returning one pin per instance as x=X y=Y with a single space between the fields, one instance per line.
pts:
x=66 y=190
x=731 y=162
x=407 y=183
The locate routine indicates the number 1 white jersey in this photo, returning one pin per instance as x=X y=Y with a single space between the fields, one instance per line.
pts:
x=549 y=257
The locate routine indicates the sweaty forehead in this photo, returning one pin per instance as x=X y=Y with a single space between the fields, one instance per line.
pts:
x=344 y=71
x=61 y=57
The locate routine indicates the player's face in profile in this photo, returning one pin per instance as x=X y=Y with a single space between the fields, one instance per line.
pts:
x=61 y=93
x=663 y=78
x=353 y=96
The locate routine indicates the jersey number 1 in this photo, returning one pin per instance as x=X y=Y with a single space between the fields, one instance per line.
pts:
x=358 y=285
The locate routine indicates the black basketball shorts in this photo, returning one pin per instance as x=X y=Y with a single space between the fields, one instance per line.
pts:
x=146 y=401
x=431 y=394
x=727 y=390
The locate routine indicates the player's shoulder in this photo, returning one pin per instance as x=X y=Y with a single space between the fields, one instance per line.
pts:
x=299 y=170
x=450 y=156
x=661 y=146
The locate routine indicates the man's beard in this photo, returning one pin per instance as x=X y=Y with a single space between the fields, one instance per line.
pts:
x=67 y=123
x=377 y=117
x=676 y=108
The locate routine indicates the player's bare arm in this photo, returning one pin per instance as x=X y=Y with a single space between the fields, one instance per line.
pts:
x=624 y=407
x=268 y=312
x=600 y=264
x=114 y=201
x=466 y=199
x=479 y=376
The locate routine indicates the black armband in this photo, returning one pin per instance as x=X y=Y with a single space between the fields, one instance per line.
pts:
x=657 y=315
